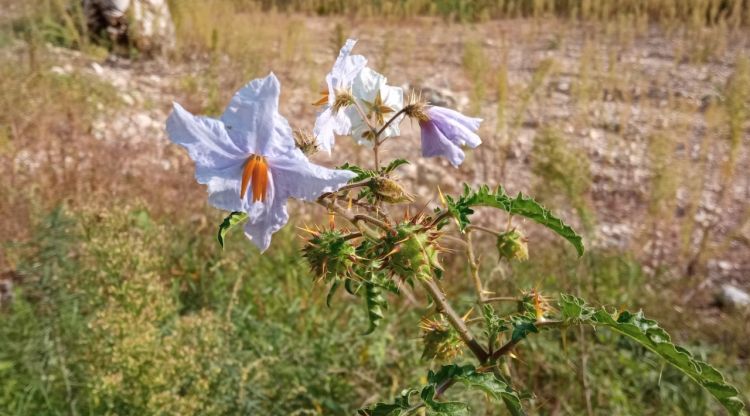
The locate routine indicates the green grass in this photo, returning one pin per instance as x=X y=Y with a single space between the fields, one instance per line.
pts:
x=120 y=312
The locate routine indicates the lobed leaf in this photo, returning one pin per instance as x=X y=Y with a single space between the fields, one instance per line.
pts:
x=375 y=303
x=395 y=164
x=230 y=222
x=521 y=205
x=400 y=407
x=650 y=335
x=486 y=382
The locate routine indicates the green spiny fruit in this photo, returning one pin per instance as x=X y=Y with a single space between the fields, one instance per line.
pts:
x=412 y=252
x=329 y=254
x=441 y=342
x=512 y=246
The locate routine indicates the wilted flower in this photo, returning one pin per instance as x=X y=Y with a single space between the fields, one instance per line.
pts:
x=339 y=85
x=251 y=146
x=445 y=131
x=379 y=102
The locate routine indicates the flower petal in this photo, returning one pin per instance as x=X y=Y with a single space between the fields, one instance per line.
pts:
x=296 y=177
x=327 y=124
x=271 y=216
x=457 y=127
x=345 y=69
x=253 y=121
x=435 y=143
x=224 y=190
x=205 y=139
x=365 y=88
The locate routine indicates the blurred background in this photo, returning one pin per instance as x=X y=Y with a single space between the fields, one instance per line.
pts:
x=630 y=119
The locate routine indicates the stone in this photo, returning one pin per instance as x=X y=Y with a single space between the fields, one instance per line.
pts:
x=144 y=24
x=732 y=297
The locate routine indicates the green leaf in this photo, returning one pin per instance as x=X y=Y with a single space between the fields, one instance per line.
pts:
x=650 y=335
x=493 y=324
x=487 y=382
x=375 y=303
x=441 y=408
x=520 y=205
x=230 y=222
x=438 y=381
x=334 y=286
x=394 y=165
x=400 y=407
x=350 y=287
x=523 y=325
x=362 y=173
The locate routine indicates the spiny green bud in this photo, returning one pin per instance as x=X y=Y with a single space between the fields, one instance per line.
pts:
x=512 y=246
x=413 y=252
x=389 y=190
x=441 y=341
x=329 y=254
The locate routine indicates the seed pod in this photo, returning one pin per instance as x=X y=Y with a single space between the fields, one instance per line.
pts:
x=389 y=190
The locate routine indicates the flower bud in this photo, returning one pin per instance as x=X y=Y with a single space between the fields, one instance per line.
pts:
x=512 y=245
x=389 y=190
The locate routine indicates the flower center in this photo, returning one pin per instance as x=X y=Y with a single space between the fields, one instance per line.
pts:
x=255 y=174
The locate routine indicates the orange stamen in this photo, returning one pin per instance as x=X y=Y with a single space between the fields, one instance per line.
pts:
x=323 y=100
x=255 y=173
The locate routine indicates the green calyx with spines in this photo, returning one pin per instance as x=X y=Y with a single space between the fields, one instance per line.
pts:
x=512 y=245
x=412 y=252
x=330 y=255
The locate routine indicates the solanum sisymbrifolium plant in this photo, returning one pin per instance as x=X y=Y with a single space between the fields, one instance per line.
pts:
x=252 y=162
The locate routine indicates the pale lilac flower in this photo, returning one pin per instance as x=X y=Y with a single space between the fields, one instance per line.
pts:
x=340 y=79
x=445 y=131
x=249 y=160
x=379 y=101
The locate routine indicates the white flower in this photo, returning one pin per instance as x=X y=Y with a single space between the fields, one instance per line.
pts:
x=249 y=159
x=379 y=101
x=339 y=80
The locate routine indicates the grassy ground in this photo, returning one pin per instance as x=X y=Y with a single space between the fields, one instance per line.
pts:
x=630 y=120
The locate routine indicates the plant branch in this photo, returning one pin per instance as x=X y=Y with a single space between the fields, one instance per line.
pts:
x=347 y=187
x=365 y=118
x=454 y=319
x=501 y=299
x=474 y=267
x=388 y=123
x=508 y=346
x=366 y=218
x=483 y=229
